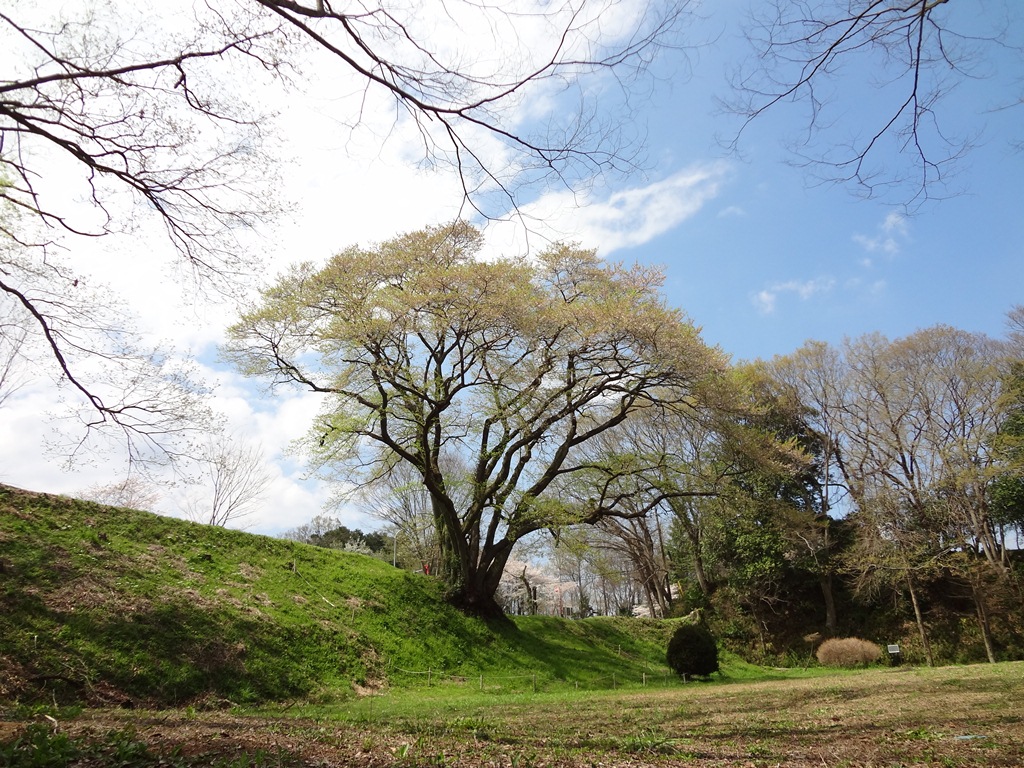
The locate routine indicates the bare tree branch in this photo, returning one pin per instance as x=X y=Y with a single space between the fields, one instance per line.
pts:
x=148 y=110
x=235 y=478
x=909 y=55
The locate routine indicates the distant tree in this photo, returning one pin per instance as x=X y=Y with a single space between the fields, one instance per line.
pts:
x=329 y=532
x=811 y=380
x=573 y=558
x=748 y=546
x=313 y=531
x=527 y=589
x=799 y=490
x=729 y=482
x=347 y=538
x=668 y=449
x=13 y=365
x=403 y=503
x=133 y=492
x=639 y=543
x=234 y=478
x=1015 y=331
x=424 y=351
x=14 y=331
x=1007 y=445
x=911 y=424
x=1007 y=487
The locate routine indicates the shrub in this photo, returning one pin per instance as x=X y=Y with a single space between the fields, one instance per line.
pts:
x=692 y=651
x=848 y=652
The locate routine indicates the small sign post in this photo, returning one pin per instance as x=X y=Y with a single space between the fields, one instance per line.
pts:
x=895 y=657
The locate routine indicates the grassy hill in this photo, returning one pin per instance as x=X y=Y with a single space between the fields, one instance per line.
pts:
x=119 y=607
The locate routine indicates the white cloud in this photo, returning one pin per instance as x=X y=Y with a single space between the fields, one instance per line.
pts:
x=862 y=287
x=623 y=219
x=730 y=211
x=766 y=300
x=892 y=233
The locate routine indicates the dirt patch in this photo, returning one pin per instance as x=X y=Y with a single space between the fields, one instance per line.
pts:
x=12 y=679
x=249 y=572
x=226 y=597
x=157 y=555
x=90 y=593
x=218 y=656
x=192 y=596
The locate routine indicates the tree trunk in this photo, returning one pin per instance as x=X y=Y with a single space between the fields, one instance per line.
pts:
x=702 y=578
x=474 y=601
x=831 y=621
x=983 y=623
x=649 y=592
x=475 y=583
x=920 y=623
x=693 y=535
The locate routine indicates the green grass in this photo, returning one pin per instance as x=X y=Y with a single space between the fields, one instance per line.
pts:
x=115 y=606
x=956 y=716
x=868 y=718
x=107 y=606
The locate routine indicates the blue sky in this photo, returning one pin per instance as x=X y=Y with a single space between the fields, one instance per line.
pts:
x=774 y=259
x=755 y=253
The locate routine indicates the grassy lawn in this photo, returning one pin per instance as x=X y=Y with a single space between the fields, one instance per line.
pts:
x=952 y=716
x=173 y=636
x=114 y=607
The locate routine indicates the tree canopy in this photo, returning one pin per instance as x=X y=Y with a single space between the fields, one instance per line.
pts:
x=427 y=352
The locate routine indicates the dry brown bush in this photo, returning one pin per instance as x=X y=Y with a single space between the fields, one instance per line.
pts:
x=848 y=652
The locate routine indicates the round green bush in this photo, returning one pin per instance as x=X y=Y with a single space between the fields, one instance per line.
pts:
x=692 y=651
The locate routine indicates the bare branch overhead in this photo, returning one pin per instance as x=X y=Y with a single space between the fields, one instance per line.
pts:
x=872 y=77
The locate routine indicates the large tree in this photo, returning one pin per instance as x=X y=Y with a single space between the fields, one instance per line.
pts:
x=425 y=351
x=114 y=114
x=794 y=494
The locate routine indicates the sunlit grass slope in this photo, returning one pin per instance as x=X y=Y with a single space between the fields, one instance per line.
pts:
x=115 y=606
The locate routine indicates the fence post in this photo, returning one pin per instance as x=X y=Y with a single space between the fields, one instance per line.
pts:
x=481 y=682
x=428 y=677
x=534 y=682
x=645 y=679
x=613 y=681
